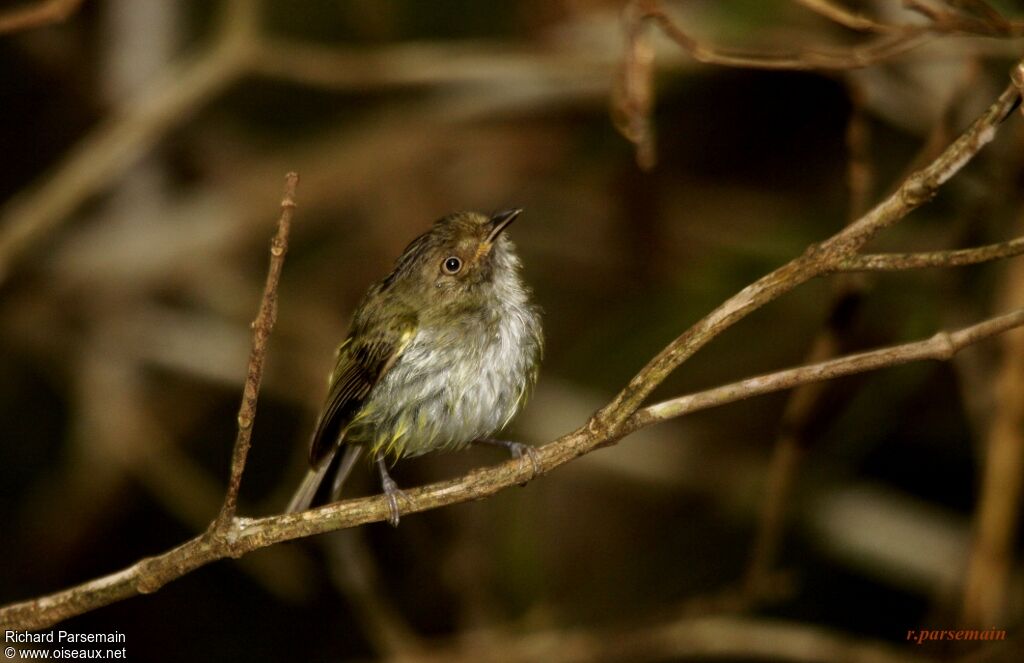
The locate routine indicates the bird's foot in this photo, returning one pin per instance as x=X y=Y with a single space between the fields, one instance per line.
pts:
x=524 y=452
x=391 y=491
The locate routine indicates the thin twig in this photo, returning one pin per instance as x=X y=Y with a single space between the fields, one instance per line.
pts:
x=37 y=15
x=262 y=326
x=243 y=535
x=858 y=57
x=846 y=17
x=941 y=346
x=883 y=262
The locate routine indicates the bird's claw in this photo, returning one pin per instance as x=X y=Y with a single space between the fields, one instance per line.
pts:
x=525 y=453
x=393 y=493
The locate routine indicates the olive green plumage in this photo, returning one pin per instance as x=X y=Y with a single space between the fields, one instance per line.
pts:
x=441 y=352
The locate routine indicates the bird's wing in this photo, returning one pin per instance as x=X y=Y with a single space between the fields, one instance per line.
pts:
x=362 y=362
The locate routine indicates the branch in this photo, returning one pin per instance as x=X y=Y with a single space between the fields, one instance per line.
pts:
x=823 y=258
x=881 y=262
x=942 y=346
x=213 y=537
x=243 y=535
x=896 y=39
x=899 y=39
x=806 y=60
x=39 y=14
x=844 y=16
x=633 y=93
x=262 y=326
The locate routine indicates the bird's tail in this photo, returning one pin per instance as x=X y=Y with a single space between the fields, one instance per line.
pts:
x=311 y=483
x=348 y=461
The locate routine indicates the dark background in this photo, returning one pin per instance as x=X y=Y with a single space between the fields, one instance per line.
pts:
x=124 y=326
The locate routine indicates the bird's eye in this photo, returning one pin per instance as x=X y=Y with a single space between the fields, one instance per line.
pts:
x=452 y=265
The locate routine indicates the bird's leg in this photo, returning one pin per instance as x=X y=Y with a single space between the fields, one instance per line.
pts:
x=524 y=452
x=391 y=489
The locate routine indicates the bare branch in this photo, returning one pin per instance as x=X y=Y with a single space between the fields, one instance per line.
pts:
x=243 y=535
x=893 y=43
x=845 y=17
x=942 y=346
x=881 y=262
x=262 y=326
x=37 y=15
x=819 y=259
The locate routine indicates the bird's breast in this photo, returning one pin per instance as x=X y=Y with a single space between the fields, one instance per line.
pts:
x=454 y=383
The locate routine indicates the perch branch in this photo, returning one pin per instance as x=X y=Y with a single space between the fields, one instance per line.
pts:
x=237 y=536
x=243 y=535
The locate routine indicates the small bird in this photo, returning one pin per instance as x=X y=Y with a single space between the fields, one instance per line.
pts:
x=441 y=353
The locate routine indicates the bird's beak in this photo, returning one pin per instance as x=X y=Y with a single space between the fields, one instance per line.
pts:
x=500 y=221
